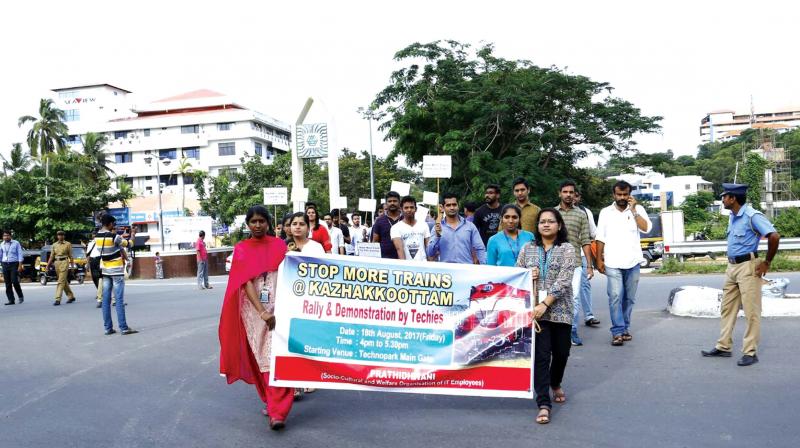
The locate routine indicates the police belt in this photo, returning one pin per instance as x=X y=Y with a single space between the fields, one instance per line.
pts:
x=61 y=258
x=742 y=258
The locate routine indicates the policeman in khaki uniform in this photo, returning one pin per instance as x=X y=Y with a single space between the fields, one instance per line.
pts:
x=62 y=254
x=743 y=280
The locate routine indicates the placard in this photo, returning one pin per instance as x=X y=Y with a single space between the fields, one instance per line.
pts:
x=299 y=194
x=436 y=167
x=340 y=203
x=402 y=188
x=430 y=198
x=422 y=213
x=372 y=250
x=367 y=205
x=276 y=196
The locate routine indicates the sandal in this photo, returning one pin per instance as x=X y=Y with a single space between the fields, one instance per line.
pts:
x=627 y=337
x=617 y=340
x=544 y=416
x=559 y=396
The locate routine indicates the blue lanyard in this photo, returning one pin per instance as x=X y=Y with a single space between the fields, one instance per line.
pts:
x=515 y=247
x=544 y=264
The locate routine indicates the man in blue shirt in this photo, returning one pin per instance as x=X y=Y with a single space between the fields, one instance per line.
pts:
x=11 y=257
x=454 y=239
x=746 y=226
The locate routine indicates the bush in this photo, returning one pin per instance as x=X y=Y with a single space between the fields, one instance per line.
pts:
x=788 y=223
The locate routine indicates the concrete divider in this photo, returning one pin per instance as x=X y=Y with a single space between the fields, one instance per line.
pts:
x=179 y=263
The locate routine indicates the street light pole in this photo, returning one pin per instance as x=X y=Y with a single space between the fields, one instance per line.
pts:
x=368 y=114
x=147 y=160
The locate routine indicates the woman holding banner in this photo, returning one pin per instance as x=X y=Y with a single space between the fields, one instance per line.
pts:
x=551 y=259
x=316 y=231
x=504 y=247
x=298 y=240
x=248 y=314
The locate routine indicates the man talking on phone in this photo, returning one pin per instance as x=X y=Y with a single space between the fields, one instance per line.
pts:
x=619 y=253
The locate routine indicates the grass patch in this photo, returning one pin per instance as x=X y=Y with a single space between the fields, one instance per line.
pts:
x=672 y=266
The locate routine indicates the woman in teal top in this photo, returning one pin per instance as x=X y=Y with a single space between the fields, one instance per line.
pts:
x=503 y=248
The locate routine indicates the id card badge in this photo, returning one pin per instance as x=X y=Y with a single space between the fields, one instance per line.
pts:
x=265 y=295
x=542 y=295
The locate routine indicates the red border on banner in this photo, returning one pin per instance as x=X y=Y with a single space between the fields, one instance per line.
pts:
x=288 y=368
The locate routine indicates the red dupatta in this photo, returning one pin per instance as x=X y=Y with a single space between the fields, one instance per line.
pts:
x=251 y=258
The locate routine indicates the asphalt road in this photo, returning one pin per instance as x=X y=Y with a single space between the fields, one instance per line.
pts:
x=63 y=383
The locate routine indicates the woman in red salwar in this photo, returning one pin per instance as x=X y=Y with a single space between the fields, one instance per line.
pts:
x=248 y=315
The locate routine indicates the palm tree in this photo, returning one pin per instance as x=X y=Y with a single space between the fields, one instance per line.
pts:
x=93 y=144
x=184 y=168
x=48 y=133
x=18 y=161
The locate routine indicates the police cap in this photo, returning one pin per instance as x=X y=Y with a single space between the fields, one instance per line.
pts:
x=734 y=189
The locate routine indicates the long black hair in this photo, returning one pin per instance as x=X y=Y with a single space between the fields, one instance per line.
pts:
x=316 y=213
x=516 y=209
x=262 y=211
x=284 y=224
x=561 y=236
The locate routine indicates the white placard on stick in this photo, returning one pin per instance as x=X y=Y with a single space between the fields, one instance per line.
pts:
x=340 y=203
x=276 y=196
x=436 y=167
x=422 y=213
x=402 y=188
x=367 y=205
x=299 y=194
x=430 y=198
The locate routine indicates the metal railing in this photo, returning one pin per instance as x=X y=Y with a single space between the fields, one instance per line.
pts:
x=699 y=247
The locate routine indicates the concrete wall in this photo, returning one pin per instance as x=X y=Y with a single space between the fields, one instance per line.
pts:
x=180 y=264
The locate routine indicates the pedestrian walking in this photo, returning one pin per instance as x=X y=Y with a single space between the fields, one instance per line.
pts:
x=618 y=256
x=551 y=259
x=410 y=236
x=61 y=254
x=338 y=217
x=112 y=267
x=337 y=238
x=358 y=234
x=586 y=287
x=248 y=314
x=578 y=235
x=202 y=262
x=530 y=211
x=11 y=257
x=159 y=264
x=504 y=248
x=487 y=216
x=93 y=254
x=381 y=230
x=454 y=239
x=743 y=277
x=316 y=231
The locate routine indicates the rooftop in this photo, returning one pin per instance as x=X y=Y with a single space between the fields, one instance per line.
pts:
x=90 y=85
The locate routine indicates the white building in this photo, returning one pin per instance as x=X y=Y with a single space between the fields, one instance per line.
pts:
x=722 y=125
x=651 y=186
x=210 y=130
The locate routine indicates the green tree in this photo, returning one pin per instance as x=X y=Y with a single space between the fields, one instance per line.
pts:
x=47 y=134
x=99 y=163
x=787 y=223
x=18 y=160
x=184 y=167
x=753 y=175
x=500 y=118
x=695 y=207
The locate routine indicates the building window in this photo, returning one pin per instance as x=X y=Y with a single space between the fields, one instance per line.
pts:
x=169 y=179
x=148 y=178
x=123 y=157
x=224 y=126
x=168 y=153
x=270 y=153
x=147 y=132
x=227 y=172
x=688 y=187
x=191 y=153
x=259 y=149
x=188 y=179
x=120 y=134
x=227 y=149
x=72 y=115
x=74 y=140
x=191 y=129
x=656 y=186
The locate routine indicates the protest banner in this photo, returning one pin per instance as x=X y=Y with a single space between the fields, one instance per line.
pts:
x=402 y=188
x=388 y=325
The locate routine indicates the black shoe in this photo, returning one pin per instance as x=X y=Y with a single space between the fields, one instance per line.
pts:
x=592 y=322
x=71 y=300
x=99 y=304
x=57 y=303
x=21 y=299
x=111 y=331
x=714 y=352
x=9 y=303
x=747 y=360
x=276 y=425
x=129 y=331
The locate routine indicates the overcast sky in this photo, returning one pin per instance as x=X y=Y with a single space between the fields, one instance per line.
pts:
x=675 y=59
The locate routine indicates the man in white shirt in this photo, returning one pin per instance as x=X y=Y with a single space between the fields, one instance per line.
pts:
x=337 y=238
x=410 y=236
x=358 y=233
x=618 y=256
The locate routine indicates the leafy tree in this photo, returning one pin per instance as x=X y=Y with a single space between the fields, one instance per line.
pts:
x=18 y=160
x=753 y=175
x=99 y=163
x=695 y=207
x=787 y=223
x=184 y=167
x=500 y=118
x=47 y=134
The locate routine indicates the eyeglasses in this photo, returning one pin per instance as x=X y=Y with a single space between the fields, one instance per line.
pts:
x=548 y=221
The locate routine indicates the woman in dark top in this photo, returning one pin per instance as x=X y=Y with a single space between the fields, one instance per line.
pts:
x=551 y=259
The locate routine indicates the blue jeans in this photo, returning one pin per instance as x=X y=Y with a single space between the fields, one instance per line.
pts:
x=622 y=284
x=118 y=282
x=202 y=274
x=583 y=300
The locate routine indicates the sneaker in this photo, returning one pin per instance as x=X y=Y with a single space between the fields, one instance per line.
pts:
x=111 y=331
x=128 y=331
x=592 y=321
x=21 y=299
x=576 y=340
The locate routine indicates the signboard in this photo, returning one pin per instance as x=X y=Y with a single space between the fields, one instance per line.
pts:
x=430 y=198
x=367 y=205
x=276 y=196
x=422 y=213
x=340 y=203
x=390 y=325
x=299 y=194
x=311 y=140
x=122 y=215
x=185 y=229
x=402 y=188
x=372 y=250
x=436 y=166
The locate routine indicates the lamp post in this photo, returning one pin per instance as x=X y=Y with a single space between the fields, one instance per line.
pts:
x=158 y=160
x=368 y=114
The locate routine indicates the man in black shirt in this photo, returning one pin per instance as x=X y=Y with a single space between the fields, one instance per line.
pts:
x=487 y=217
